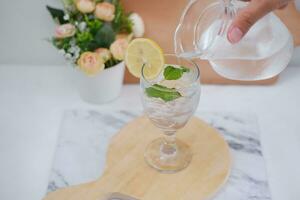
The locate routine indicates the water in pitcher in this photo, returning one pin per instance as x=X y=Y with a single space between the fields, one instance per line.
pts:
x=263 y=53
x=252 y=58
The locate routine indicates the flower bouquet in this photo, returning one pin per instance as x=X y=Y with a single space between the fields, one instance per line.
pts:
x=93 y=35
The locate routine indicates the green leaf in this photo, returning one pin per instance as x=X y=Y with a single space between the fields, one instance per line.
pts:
x=93 y=24
x=84 y=41
x=57 y=14
x=160 y=91
x=63 y=43
x=67 y=2
x=84 y=37
x=105 y=36
x=174 y=73
x=111 y=62
x=121 y=22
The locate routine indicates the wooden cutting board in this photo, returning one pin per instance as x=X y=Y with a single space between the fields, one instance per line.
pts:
x=162 y=16
x=128 y=173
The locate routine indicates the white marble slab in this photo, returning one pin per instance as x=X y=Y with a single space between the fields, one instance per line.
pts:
x=85 y=134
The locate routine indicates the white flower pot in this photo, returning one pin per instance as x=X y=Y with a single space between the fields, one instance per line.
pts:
x=103 y=87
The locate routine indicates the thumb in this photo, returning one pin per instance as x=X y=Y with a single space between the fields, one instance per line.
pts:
x=247 y=17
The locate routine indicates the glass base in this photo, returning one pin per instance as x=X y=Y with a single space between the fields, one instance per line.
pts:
x=168 y=158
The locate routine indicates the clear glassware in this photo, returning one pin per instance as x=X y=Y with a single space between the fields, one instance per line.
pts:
x=169 y=154
x=202 y=32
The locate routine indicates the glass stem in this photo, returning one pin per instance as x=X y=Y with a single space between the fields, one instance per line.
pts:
x=169 y=147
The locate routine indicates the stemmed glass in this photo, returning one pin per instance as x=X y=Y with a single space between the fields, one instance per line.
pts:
x=168 y=113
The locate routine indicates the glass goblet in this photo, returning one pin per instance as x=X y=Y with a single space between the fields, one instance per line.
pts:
x=169 y=108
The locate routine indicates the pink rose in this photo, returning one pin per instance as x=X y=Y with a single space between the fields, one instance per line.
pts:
x=85 y=6
x=118 y=48
x=65 y=30
x=104 y=54
x=90 y=63
x=105 y=11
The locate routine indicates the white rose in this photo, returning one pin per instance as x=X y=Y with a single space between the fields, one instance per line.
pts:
x=82 y=26
x=66 y=17
x=138 y=25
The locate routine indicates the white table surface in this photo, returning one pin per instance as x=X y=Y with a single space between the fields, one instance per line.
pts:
x=32 y=100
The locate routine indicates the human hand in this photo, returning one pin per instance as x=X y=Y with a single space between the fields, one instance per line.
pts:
x=251 y=14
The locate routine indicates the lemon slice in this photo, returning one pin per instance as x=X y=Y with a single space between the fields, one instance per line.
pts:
x=142 y=51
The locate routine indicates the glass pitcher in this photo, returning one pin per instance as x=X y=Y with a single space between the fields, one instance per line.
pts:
x=202 y=33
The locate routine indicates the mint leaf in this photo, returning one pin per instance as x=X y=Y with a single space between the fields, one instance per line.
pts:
x=184 y=69
x=159 y=91
x=174 y=73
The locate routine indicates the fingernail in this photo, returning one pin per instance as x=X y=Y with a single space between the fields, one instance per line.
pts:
x=235 y=35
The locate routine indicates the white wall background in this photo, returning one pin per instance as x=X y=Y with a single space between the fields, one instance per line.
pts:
x=24 y=26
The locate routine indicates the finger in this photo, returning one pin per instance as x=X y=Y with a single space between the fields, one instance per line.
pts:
x=247 y=17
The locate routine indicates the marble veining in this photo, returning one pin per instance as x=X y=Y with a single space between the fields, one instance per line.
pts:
x=85 y=135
